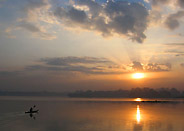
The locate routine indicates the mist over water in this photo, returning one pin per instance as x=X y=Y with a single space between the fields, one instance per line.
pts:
x=69 y=114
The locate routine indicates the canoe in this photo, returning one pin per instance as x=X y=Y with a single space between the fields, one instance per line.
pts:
x=36 y=111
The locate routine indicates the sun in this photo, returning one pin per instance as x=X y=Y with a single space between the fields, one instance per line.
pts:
x=138 y=75
x=138 y=99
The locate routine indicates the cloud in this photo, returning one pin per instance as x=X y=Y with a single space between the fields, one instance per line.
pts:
x=93 y=6
x=155 y=17
x=36 y=30
x=30 y=27
x=175 y=44
x=71 y=68
x=155 y=67
x=176 y=49
x=158 y=2
x=182 y=64
x=34 y=18
x=36 y=11
x=166 y=12
x=35 y=4
x=151 y=67
x=62 y=61
x=175 y=52
x=86 y=65
x=113 y=17
x=137 y=66
x=180 y=3
x=127 y=19
x=172 y=21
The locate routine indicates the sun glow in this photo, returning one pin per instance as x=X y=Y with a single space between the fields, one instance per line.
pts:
x=138 y=75
x=138 y=116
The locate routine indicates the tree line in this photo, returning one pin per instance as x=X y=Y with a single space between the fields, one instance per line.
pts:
x=132 y=93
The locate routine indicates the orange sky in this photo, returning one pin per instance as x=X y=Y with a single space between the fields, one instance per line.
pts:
x=70 y=45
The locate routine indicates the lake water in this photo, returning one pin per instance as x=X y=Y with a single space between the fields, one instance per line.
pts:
x=72 y=114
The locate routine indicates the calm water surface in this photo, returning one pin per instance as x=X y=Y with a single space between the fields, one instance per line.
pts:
x=69 y=114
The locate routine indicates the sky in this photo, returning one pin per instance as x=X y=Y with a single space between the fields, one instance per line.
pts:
x=68 y=45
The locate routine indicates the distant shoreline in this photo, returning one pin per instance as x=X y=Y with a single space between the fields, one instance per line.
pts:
x=15 y=93
x=132 y=93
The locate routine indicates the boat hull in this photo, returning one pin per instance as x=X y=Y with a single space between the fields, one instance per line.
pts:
x=36 y=111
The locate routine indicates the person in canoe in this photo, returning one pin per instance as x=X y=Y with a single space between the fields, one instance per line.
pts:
x=31 y=110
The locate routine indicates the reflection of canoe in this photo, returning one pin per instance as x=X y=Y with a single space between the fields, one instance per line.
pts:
x=36 y=111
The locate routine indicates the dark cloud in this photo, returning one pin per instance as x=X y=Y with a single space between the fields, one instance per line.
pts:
x=151 y=67
x=179 y=55
x=86 y=65
x=181 y=3
x=63 y=61
x=182 y=64
x=72 y=14
x=72 y=17
x=93 y=6
x=172 y=21
x=137 y=66
x=175 y=44
x=157 y=14
x=176 y=52
x=71 y=68
x=120 y=17
x=155 y=67
x=177 y=49
x=77 y=15
x=71 y=65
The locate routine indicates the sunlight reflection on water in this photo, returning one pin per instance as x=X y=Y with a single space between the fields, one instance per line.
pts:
x=138 y=116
